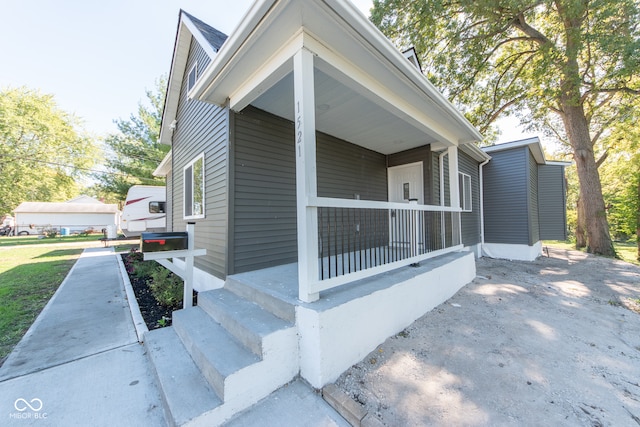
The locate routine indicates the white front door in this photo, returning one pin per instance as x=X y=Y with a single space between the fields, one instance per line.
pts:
x=406 y=183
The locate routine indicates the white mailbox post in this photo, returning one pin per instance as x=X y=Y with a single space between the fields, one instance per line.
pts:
x=185 y=273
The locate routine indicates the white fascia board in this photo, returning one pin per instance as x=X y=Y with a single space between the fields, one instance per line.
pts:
x=373 y=35
x=559 y=163
x=534 y=145
x=475 y=152
x=203 y=42
x=178 y=64
x=165 y=165
x=276 y=68
x=346 y=73
x=216 y=68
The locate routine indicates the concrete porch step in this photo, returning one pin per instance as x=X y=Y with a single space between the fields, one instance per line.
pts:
x=247 y=321
x=245 y=286
x=217 y=353
x=186 y=394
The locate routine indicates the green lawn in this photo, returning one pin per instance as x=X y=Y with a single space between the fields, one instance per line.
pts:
x=28 y=278
x=34 y=240
x=627 y=251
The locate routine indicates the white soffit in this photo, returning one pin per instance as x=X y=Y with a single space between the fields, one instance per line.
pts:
x=340 y=33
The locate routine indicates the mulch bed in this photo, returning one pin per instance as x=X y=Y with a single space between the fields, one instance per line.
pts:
x=152 y=311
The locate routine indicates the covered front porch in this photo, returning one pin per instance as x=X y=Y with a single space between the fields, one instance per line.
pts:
x=363 y=93
x=349 y=321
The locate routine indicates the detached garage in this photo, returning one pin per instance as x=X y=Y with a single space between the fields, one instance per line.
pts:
x=73 y=216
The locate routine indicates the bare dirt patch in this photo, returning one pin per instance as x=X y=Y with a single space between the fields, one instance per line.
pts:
x=550 y=342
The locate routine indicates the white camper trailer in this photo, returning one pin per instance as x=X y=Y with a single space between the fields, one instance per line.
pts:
x=144 y=210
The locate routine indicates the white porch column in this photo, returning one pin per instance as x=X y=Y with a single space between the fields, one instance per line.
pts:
x=454 y=191
x=454 y=188
x=306 y=181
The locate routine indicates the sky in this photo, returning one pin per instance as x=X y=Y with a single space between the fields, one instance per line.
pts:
x=99 y=57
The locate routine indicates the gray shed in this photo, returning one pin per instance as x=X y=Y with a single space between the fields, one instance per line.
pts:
x=524 y=200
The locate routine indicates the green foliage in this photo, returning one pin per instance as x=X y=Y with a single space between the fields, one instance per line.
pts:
x=134 y=152
x=30 y=276
x=166 y=287
x=501 y=57
x=568 y=68
x=41 y=152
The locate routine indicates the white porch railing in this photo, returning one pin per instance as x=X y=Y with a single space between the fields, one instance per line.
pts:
x=357 y=238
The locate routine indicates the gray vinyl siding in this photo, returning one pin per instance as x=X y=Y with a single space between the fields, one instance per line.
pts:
x=424 y=155
x=436 y=179
x=506 y=197
x=264 y=212
x=470 y=221
x=169 y=201
x=552 y=215
x=202 y=128
x=534 y=228
x=264 y=199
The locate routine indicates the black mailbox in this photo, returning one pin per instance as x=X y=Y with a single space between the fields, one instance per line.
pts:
x=158 y=242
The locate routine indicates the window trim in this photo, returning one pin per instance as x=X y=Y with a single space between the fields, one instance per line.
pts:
x=194 y=70
x=191 y=190
x=462 y=179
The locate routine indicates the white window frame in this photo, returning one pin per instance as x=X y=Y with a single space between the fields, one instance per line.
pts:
x=466 y=189
x=193 y=70
x=189 y=188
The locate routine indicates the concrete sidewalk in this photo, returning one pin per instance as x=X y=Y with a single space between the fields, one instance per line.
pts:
x=81 y=364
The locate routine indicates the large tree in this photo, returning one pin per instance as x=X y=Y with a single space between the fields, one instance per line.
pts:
x=566 y=67
x=41 y=152
x=134 y=152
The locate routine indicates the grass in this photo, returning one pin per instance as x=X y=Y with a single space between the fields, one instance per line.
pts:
x=34 y=240
x=29 y=276
x=627 y=251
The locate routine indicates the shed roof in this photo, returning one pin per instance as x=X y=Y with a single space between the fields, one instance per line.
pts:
x=533 y=143
x=65 y=207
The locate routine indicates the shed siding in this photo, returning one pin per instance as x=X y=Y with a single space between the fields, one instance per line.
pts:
x=470 y=221
x=552 y=210
x=534 y=228
x=202 y=128
x=264 y=194
x=505 y=197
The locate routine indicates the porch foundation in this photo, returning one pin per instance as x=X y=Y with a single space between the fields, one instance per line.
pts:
x=349 y=322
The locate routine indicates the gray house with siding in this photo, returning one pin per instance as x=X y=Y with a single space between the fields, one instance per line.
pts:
x=336 y=191
x=524 y=200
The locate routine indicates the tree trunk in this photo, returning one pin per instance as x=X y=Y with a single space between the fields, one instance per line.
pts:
x=581 y=238
x=595 y=216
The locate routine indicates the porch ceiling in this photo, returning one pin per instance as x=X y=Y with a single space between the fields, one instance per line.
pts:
x=345 y=114
x=366 y=92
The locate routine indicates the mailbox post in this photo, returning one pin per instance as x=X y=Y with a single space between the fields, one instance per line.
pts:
x=162 y=246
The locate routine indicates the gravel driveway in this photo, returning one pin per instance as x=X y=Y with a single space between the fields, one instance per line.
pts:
x=551 y=342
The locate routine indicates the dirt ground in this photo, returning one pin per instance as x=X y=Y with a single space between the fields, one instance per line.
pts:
x=551 y=342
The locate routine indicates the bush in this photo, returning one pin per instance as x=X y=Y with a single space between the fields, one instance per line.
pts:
x=50 y=232
x=166 y=287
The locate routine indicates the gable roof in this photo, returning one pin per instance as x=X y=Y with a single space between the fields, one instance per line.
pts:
x=210 y=39
x=65 y=207
x=392 y=96
x=84 y=199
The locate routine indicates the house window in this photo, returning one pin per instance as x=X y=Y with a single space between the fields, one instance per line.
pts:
x=194 y=188
x=464 y=185
x=193 y=76
x=157 y=207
